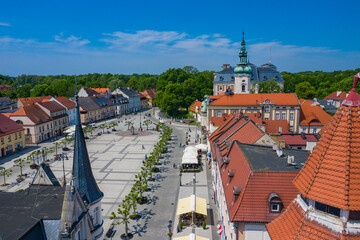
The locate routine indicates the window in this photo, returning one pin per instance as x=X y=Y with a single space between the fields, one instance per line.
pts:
x=219 y=114
x=43 y=128
x=243 y=88
x=304 y=130
x=291 y=128
x=9 y=138
x=277 y=116
x=267 y=108
x=97 y=216
x=15 y=136
x=47 y=126
x=314 y=130
x=328 y=209
x=354 y=215
x=28 y=130
x=275 y=207
x=291 y=116
x=275 y=203
x=2 y=140
x=283 y=116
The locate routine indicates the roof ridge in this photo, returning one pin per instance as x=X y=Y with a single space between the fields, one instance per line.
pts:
x=347 y=163
x=322 y=156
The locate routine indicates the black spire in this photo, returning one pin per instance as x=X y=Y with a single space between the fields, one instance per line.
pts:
x=83 y=179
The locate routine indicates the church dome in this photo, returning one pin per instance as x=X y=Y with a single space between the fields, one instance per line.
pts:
x=246 y=69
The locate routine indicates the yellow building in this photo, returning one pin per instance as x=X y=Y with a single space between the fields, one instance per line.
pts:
x=12 y=138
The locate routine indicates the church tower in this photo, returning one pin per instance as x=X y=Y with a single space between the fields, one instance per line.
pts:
x=242 y=71
x=328 y=205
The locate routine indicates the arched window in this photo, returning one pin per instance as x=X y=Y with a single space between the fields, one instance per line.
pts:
x=243 y=88
x=19 y=122
x=275 y=203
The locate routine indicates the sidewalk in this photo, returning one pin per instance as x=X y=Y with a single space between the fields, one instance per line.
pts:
x=200 y=189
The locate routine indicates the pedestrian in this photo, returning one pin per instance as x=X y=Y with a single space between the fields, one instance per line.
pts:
x=143 y=147
x=174 y=165
x=194 y=179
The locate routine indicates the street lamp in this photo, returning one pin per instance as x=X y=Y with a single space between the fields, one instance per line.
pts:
x=63 y=156
x=140 y=121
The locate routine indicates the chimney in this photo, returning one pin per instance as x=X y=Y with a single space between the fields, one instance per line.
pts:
x=231 y=174
x=290 y=160
x=303 y=136
x=224 y=66
x=279 y=152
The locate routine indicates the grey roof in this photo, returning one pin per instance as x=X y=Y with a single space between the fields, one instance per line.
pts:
x=259 y=74
x=101 y=101
x=119 y=99
x=328 y=107
x=21 y=212
x=88 y=103
x=263 y=158
x=129 y=92
x=84 y=179
x=51 y=228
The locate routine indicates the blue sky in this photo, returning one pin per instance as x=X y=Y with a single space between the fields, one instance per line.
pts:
x=67 y=37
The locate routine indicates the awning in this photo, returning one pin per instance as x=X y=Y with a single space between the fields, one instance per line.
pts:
x=190 y=156
x=202 y=147
x=192 y=236
x=192 y=204
x=71 y=129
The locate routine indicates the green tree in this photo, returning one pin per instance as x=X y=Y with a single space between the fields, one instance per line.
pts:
x=116 y=83
x=60 y=87
x=42 y=90
x=24 y=91
x=103 y=126
x=305 y=90
x=5 y=173
x=123 y=215
x=269 y=86
x=21 y=163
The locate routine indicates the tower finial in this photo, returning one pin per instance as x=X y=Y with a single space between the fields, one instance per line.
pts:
x=243 y=34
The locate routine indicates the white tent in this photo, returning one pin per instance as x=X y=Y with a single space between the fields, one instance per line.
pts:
x=202 y=147
x=71 y=129
x=190 y=155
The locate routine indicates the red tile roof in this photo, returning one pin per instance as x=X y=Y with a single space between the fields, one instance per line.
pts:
x=272 y=126
x=52 y=106
x=252 y=204
x=288 y=99
x=101 y=90
x=293 y=224
x=314 y=116
x=331 y=173
x=8 y=126
x=306 y=102
x=33 y=112
x=339 y=95
x=150 y=92
x=66 y=102
x=33 y=100
x=298 y=139
x=214 y=97
x=194 y=105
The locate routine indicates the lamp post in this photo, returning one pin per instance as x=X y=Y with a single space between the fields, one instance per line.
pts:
x=63 y=156
x=169 y=227
x=140 y=121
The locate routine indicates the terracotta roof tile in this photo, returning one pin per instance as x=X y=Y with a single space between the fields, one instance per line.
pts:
x=298 y=139
x=34 y=113
x=101 y=90
x=272 y=126
x=194 y=105
x=339 y=95
x=8 y=126
x=252 y=204
x=66 y=102
x=52 y=106
x=33 y=100
x=314 y=116
x=289 y=99
x=306 y=102
x=329 y=173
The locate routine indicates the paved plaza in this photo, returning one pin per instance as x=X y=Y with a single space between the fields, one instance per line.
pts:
x=116 y=157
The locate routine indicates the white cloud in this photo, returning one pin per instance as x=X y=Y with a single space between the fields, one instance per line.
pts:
x=5 y=24
x=71 y=40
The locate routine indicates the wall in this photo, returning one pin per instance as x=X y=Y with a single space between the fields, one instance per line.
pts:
x=17 y=142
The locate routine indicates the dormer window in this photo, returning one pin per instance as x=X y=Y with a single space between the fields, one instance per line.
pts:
x=327 y=208
x=236 y=192
x=231 y=174
x=275 y=203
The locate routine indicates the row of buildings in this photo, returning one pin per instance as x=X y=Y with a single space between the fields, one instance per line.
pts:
x=42 y=118
x=287 y=186
x=47 y=210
